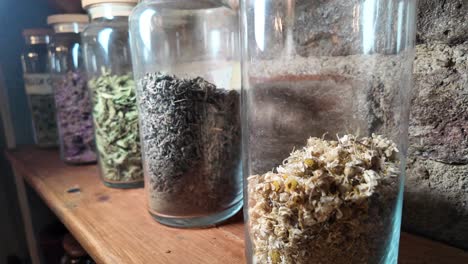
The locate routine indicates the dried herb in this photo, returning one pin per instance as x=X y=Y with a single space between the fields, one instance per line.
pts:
x=74 y=120
x=116 y=127
x=43 y=117
x=330 y=202
x=190 y=132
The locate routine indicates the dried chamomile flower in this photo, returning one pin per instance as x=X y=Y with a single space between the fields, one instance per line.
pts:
x=326 y=203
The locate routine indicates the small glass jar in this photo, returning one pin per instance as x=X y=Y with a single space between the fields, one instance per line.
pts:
x=72 y=99
x=115 y=114
x=186 y=65
x=38 y=87
x=326 y=92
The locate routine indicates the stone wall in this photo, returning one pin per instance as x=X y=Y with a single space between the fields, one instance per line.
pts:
x=436 y=196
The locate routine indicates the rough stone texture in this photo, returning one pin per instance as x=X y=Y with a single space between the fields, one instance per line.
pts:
x=436 y=196
x=436 y=201
x=439 y=123
x=444 y=21
x=331 y=27
x=313 y=33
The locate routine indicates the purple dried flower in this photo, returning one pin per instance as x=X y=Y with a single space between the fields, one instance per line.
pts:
x=74 y=119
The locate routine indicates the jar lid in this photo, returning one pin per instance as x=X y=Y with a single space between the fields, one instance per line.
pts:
x=37 y=32
x=37 y=35
x=87 y=3
x=67 y=18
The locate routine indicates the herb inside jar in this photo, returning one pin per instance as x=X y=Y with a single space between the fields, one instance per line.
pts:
x=75 y=125
x=115 y=118
x=329 y=202
x=43 y=117
x=191 y=145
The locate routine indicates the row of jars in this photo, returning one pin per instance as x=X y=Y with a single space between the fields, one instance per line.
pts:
x=82 y=87
x=319 y=135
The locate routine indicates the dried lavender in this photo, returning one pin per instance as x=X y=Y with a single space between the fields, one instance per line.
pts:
x=43 y=117
x=190 y=132
x=74 y=121
x=330 y=202
x=116 y=128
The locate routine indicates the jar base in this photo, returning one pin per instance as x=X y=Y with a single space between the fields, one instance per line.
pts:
x=199 y=222
x=125 y=185
x=79 y=163
x=46 y=146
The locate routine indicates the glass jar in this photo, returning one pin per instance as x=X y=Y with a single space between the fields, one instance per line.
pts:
x=108 y=64
x=326 y=92
x=72 y=100
x=38 y=87
x=186 y=65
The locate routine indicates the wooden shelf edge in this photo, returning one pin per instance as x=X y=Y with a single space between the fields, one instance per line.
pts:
x=413 y=249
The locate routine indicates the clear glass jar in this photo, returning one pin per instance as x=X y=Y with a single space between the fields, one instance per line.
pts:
x=38 y=87
x=326 y=91
x=186 y=65
x=108 y=64
x=72 y=100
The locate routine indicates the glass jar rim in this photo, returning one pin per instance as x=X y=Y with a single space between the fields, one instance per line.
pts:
x=88 y=3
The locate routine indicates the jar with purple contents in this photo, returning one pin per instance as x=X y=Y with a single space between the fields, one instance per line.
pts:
x=72 y=99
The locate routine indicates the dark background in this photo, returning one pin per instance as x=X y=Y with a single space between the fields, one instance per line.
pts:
x=16 y=15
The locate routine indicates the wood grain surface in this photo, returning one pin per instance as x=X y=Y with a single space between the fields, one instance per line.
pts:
x=114 y=226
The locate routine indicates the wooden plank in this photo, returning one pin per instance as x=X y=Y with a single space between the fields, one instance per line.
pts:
x=27 y=221
x=114 y=226
x=418 y=250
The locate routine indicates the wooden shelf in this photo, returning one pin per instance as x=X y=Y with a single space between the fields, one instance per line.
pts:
x=114 y=226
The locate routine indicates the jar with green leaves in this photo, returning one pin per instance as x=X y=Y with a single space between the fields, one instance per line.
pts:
x=108 y=64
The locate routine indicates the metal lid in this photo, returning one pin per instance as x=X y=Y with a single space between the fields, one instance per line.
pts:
x=87 y=3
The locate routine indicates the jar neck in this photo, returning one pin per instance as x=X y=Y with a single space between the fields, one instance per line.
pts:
x=36 y=39
x=69 y=27
x=110 y=10
x=233 y=4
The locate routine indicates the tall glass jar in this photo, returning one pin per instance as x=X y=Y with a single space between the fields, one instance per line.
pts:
x=326 y=91
x=186 y=65
x=108 y=64
x=38 y=86
x=72 y=100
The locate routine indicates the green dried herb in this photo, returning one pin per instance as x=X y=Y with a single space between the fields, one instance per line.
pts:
x=116 y=127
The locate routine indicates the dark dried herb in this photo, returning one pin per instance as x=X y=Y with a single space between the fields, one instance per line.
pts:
x=115 y=118
x=190 y=132
x=43 y=117
x=74 y=120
